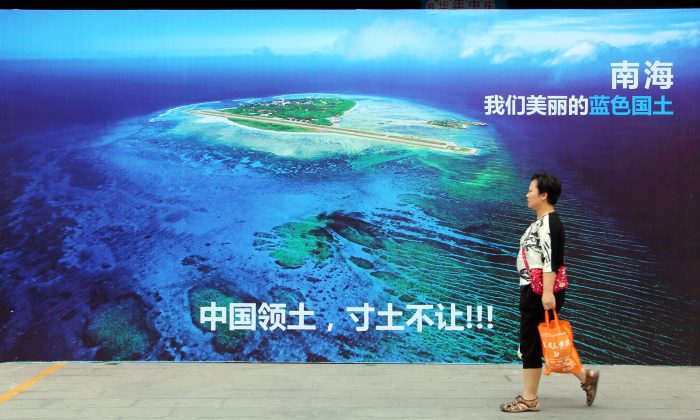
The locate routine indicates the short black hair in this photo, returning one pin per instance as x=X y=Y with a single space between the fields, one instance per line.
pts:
x=549 y=184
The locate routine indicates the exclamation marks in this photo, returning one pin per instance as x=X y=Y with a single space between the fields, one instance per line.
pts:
x=480 y=316
x=469 y=317
x=489 y=309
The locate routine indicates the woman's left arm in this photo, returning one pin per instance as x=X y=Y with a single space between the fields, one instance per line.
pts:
x=548 y=300
x=549 y=267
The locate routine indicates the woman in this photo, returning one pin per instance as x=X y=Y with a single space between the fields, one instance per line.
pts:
x=543 y=246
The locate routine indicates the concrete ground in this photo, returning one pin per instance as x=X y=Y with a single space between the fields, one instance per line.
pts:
x=136 y=390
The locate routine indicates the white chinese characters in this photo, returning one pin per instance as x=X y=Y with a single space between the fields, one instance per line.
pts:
x=626 y=75
x=243 y=316
x=273 y=316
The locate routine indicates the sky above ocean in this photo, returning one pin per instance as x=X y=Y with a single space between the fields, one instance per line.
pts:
x=534 y=37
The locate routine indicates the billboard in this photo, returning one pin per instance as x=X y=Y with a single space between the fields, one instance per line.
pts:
x=343 y=186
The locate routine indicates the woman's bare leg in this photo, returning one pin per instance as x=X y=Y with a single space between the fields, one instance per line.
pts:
x=532 y=382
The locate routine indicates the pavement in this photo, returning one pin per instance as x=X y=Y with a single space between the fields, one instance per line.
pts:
x=184 y=390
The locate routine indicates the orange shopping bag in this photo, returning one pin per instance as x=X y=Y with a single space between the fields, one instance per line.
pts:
x=558 y=349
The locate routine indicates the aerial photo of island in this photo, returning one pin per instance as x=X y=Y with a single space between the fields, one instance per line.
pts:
x=156 y=163
x=319 y=115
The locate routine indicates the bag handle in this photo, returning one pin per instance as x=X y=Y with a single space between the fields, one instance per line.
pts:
x=556 y=318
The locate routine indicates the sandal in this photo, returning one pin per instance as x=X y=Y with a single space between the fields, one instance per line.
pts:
x=521 y=404
x=591 y=385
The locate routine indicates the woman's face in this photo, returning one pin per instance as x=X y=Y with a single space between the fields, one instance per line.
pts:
x=534 y=198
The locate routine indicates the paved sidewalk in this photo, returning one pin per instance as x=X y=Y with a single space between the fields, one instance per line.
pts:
x=136 y=390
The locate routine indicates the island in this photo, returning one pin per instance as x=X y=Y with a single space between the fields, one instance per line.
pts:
x=319 y=111
x=317 y=115
x=455 y=124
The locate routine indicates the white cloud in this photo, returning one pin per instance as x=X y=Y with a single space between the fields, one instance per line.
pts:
x=582 y=51
x=300 y=43
x=278 y=43
x=382 y=39
x=506 y=56
x=554 y=39
x=569 y=39
x=469 y=52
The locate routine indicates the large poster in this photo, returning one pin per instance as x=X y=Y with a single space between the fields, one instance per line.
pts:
x=343 y=186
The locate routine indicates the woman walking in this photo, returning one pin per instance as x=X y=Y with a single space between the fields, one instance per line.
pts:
x=541 y=247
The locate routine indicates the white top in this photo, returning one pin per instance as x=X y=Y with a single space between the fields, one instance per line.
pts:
x=543 y=241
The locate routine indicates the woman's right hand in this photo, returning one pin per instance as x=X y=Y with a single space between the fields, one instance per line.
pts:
x=548 y=301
